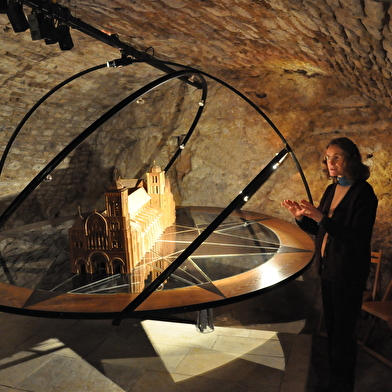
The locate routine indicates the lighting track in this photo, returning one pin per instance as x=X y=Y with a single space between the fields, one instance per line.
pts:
x=63 y=15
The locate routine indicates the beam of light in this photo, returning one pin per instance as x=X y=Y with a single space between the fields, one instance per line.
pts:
x=187 y=353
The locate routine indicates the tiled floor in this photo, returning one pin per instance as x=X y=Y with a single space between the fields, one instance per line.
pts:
x=263 y=344
x=44 y=355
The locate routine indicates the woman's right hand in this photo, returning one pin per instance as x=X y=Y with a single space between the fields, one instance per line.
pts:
x=295 y=209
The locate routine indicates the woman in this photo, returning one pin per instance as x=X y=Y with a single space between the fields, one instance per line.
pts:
x=342 y=225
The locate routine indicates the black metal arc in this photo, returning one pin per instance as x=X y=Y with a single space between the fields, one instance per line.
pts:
x=246 y=99
x=236 y=204
x=114 y=63
x=193 y=126
x=87 y=132
x=35 y=107
x=64 y=15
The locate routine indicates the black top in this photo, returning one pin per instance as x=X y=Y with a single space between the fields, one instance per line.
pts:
x=347 y=252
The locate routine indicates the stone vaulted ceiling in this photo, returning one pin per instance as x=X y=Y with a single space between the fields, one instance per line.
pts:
x=348 y=39
x=351 y=38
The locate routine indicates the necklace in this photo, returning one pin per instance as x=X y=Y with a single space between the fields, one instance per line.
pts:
x=344 y=182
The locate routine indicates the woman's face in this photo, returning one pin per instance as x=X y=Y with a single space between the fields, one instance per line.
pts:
x=334 y=157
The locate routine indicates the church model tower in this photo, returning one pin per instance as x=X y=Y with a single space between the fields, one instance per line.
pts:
x=118 y=239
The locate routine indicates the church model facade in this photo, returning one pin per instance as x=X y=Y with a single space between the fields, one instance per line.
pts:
x=118 y=239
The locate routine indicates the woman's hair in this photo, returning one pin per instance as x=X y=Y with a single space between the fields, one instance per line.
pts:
x=354 y=168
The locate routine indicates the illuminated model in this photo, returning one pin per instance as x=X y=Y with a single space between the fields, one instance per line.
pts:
x=118 y=239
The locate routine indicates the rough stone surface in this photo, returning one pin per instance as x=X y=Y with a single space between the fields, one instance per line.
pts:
x=316 y=68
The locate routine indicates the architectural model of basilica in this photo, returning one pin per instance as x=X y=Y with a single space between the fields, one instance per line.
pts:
x=118 y=239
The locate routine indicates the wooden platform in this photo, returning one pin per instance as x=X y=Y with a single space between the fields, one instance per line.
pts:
x=293 y=254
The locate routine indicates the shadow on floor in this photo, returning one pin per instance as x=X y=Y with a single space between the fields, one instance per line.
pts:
x=68 y=355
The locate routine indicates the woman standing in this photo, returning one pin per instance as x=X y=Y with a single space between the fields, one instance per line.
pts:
x=342 y=225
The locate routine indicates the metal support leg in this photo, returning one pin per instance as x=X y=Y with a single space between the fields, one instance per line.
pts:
x=205 y=321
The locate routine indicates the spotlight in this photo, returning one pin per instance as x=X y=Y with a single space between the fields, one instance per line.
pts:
x=51 y=37
x=64 y=37
x=41 y=26
x=3 y=6
x=45 y=27
x=16 y=16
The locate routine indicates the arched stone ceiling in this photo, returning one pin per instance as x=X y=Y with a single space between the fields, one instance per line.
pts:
x=349 y=39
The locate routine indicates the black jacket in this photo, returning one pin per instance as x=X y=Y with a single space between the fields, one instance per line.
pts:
x=347 y=253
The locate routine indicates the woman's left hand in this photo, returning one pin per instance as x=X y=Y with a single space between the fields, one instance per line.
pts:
x=311 y=211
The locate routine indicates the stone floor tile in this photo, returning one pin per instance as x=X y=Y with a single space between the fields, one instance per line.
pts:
x=135 y=356
x=137 y=360
x=184 y=335
x=265 y=360
x=20 y=365
x=226 y=331
x=152 y=381
x=224 y=366
x=123 y=376
x=240 y=345
x=66 y=343
x=263 y=334
x=170 y=355
x=68 y=374
x=199 y=361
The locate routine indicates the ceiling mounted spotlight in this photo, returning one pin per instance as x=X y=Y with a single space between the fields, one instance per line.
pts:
x=48 y=24
x=51 y=36
x=64 y=37
x=42 y=27
x=63 y=20
x=3 y=6
x=52 y=31
x=16 y=16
